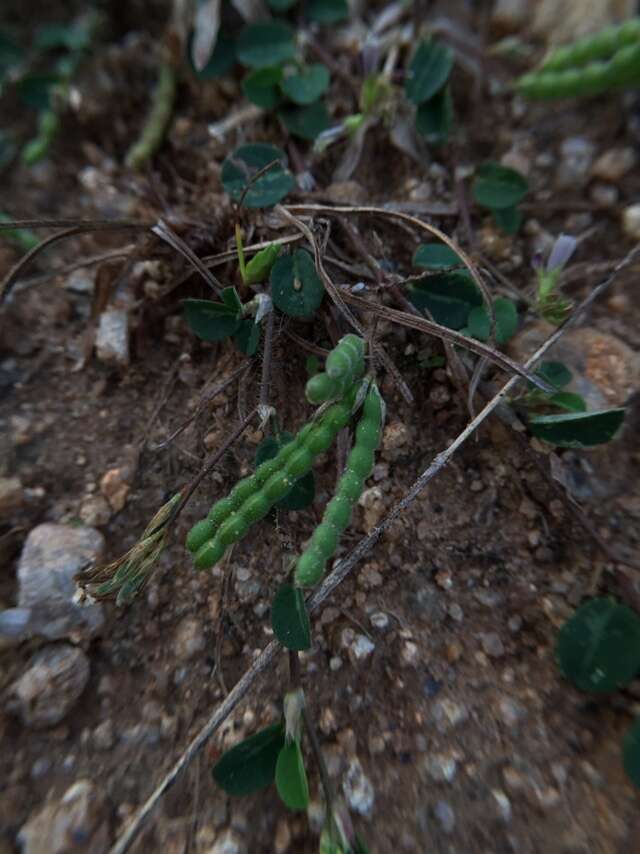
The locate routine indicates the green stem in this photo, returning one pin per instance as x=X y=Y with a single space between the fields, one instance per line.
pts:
x=240 y=248
x=158 y=119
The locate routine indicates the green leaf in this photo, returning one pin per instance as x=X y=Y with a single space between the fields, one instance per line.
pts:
x=508 y=220
x=53 y=36
x=449 y=297
x=261 y=87
x=35 y=89
x=258 y=269
x=221 y=60
x=289 y=618
x=296 y=288
x=435 y=256
x=250 y=765
x=555 y=374
x=479 y=324
x=211 y=321
x=569 y=401
x=247 y=337
x=244 y=162
x=281 y=5
x=327 y=11
x=23 y=237
x=231 y=299
x=307 y=84
x=429 y=70
x=498 y=187
x=305 y=122
x=598 y=648
x=434 y=118
x=631 y=753
x=577 y=430
x=264 y=44
x=303 y=491
x=291 y=778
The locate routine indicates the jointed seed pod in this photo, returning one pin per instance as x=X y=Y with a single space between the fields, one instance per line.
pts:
x=600 y=45
x=321 y=387
x=600 y=63
x=347 y=358
x=311 y=563
x=209 y=554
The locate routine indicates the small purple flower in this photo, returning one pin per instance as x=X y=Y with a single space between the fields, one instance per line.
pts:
x=561 y=252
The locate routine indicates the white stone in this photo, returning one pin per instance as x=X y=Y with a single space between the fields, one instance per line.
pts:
x=77 y=822
x=358 y=789
x=48 y=690
x=631 y=221
x=112 y=338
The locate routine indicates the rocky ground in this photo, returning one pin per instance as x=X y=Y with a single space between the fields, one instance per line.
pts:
x=442 y=717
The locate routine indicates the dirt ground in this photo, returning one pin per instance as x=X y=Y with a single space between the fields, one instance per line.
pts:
x=431 y=676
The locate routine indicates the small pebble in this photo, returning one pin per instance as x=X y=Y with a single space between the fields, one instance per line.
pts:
x=503 y=803
x=631 y=221
x=361 y=648
x=492 y=645
x=445 y=816
x=358 y=789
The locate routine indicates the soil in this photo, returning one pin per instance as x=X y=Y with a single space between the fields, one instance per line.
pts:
x=459 y=718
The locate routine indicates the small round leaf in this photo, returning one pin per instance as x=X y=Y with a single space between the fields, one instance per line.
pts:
x=244 y=162
x=261 y=87
x=296 y=288
x=631 y=753
x=434 y=118
x=306 y=122
x=498 y=187
x=211 y=321
x=327 y=11
x=264 y=44
x=289 y=618
x=250 y=765
x=508 y=220
x=291 y=777
x=598 y=649
x=479 y=324
x=555 y=374
x=307 y=84
x=435 y=256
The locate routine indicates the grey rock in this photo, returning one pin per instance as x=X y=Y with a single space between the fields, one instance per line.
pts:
x=441 y=767
x=51 y=556
x=189 y=639
x=11 y=494
x=445 y=816
x=379 y=620
x=631 y=221
x=95 y=510
x=511 y=712
x=358 y=789
x=576 y=158
x=78 y=822
x=503 y=804
x=112 y=338
x=103 y=735
x=613 y=164
x=361 y=648
x=228 y=843
x=492 y=645
x=48 y=690
x=448 y=714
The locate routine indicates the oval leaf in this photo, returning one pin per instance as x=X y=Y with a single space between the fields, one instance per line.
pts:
x=211 y=321
x=244 y=162
x=327 y=11
x=568 y=400
x=435 y=256
x=508 y=220
x=577 y=430
x=306 y=122
x=247 y=337
x=598 y=649
x=429 y=71
x=631 y=753
x=296 y=288
x=264 y=44
x=555 y=374
x=303 y=491
x=479 y=324
x=291 y=778
x=434 y=118
x=261 y=87
x=449 y=297
x=307 y=84
x=250 y=765
x=289 y=618
x=498 y=187
x=258 y=269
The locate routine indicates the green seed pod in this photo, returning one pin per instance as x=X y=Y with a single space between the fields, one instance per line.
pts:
x=320 y=440
x=336 y=418
x=277 y=487
x=265 y=470
x=256 y=508
x=199 y=534
x=232 y=529
x=325 y=539
x=320 y=388
x=338 y=512
x=346 y=358
x=309 y=568
x=299 y=463
x=209 y=554
x=220 y=511
x=243 y=490
x=350 y=486
x=361 y=461
x=367 y=435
